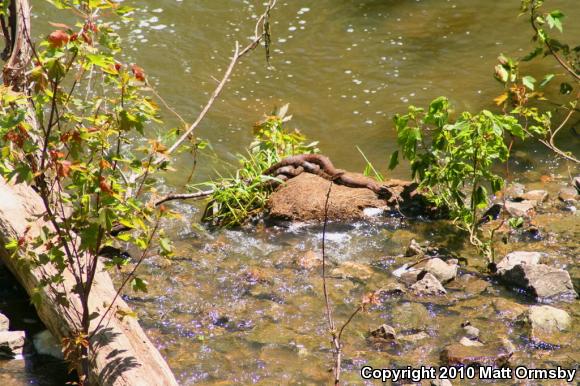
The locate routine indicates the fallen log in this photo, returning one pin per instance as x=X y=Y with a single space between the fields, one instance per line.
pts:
x=123 y=354
x=120 y=354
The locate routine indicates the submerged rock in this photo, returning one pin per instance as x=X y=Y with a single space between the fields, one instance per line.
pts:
x=45 y=343
x=412 y=338
x=309 y=260
x=392 y=289
x=495 y=354
x=410 y=317
x=545 y=324
x=428 y=286
x=352 y=270
x=4 y=323
x=508 y=309
x=11 y=343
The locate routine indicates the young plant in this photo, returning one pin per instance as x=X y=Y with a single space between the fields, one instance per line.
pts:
x=524 y=95
x=243 y=196
x=453 y=161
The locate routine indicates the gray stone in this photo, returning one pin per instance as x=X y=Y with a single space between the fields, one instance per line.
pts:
x=411 y=276
x=444 y=272
x=384 y=332
x=576 y=183
x=4 y=323
x=471 y=332
x=536 y=195
x=428 y=286
x=11 y=343
x=545 y=324
x=465 y=341
x=515 y=191
x=517 y=258
x=544 y=282
x=45 y=343
x=414 y=249
x=568 y=195
x=520 y=209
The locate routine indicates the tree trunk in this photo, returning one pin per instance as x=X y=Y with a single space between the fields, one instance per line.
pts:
x=121 y=354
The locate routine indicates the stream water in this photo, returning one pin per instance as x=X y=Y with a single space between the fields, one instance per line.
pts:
x=233 y=306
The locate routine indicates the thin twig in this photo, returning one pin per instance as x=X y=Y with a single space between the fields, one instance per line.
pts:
x=564 y=65
x=185 y=196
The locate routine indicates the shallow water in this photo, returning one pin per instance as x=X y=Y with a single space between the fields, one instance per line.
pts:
x=232 y=306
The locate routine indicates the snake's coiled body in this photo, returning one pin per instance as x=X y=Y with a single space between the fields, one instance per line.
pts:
x=320 y=165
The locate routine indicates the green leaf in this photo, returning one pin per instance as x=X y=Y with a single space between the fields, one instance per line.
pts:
x=554 y=19
x=547 y=79
x=165 y=245
x=532 y=54
x=394 y=161
x=139 y=284
x=516 y=222
x=529 y=81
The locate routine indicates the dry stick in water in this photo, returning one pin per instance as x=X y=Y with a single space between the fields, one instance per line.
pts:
x=368 y=299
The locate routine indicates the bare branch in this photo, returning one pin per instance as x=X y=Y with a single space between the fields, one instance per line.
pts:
x=259 y=33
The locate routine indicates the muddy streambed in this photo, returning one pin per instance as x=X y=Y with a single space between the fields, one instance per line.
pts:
x=247 y=306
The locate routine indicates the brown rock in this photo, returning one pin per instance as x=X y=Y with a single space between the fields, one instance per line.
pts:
x=352 y=270
x=508 y=309
x=536 y=195
x=568 y=195
x=495 y=354
x=520 y=209
x=309 y=260
x=303 y=198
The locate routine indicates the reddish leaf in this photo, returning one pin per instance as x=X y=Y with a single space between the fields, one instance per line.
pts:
x=63 y=168
x=138 y=72
x=58 y=38
x=105 y=186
